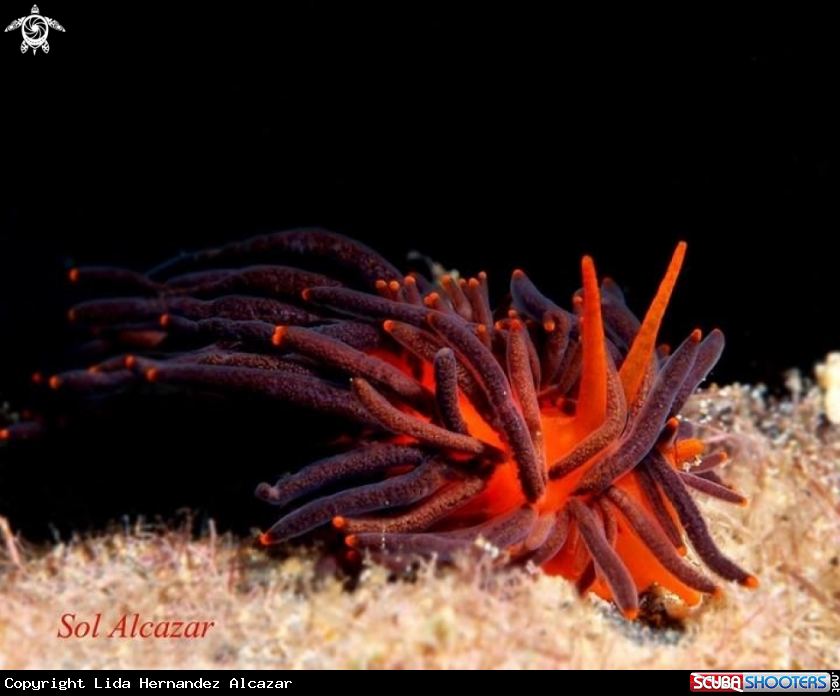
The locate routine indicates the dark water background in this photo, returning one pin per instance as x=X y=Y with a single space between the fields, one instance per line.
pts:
x=488 y=140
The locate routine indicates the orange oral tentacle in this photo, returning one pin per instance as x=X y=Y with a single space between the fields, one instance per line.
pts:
x=592 y=397
x=641 y=352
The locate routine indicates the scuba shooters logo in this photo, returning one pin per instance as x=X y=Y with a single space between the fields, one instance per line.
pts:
x=766 y=682
x=717 y=681
x=35 y=28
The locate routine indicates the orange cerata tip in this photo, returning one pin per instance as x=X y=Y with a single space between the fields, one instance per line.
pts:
x=432 y=300
x=551 y=431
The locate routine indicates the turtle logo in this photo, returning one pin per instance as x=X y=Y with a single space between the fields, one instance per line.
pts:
x=35 y=28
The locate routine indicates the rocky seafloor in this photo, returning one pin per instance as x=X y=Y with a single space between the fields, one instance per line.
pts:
x=296 y=612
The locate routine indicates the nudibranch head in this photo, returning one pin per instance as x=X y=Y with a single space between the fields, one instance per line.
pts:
x=553 y=435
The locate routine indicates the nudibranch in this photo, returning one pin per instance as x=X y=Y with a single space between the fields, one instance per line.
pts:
x=552 y=435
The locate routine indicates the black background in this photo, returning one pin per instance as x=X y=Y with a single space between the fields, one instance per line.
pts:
x=488 y=139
